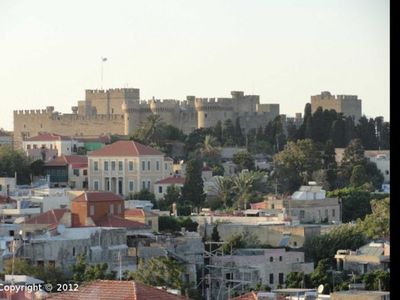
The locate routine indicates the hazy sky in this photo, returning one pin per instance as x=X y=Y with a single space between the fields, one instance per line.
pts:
x=285 y=51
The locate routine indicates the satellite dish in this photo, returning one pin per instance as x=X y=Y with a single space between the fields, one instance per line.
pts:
x=320 y=289
x=60 y=228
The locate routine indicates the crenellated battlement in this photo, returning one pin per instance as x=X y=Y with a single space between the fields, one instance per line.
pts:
x=31 y=112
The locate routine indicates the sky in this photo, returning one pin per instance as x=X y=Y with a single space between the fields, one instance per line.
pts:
x=283 y=50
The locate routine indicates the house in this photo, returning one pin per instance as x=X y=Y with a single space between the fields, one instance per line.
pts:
x=68 y=170
x=250 y=267
x=380 y=157
x=49 y=145
x=309 y=205
x=372 y=256
x=114 y=289
x=127 y=167
x=143 y=216
x=161 y=186
x=61 y=247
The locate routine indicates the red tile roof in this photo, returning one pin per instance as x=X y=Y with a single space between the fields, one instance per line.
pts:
x=76 y=161
x=138 y=212
x=51 y=217
x=125 y=148
x=97 y=197
x=48 y=137
x=115 y=289
x=258 y=205
x=115 y=221
x=172 y=180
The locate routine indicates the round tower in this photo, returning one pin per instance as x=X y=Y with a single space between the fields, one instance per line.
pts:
x=131 y=115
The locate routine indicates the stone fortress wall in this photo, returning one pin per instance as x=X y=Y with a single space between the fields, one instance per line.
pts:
x=120 y=111
x=349 y=105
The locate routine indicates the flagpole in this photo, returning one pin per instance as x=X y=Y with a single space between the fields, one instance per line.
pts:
x=103 y=59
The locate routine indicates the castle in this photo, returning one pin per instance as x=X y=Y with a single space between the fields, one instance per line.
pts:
x=120 y=111
x=349 y=105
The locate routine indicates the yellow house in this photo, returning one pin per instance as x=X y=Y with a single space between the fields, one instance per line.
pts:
x=142 y=216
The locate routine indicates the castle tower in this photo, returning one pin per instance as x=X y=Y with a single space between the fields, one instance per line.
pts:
x=131 y=110
x=209 y=111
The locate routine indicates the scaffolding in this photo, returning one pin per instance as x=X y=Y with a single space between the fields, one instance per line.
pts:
x=222 y=279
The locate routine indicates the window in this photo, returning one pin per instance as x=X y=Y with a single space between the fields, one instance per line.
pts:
x=160 y=189
x=119 y=208
x=272 y=206
x=148 y=165
x=205 y=115
x=326 y=213
x=52 y=264
x=166 y=166
x=120 y=166
x=150 y=223
x=157 y=165
x=144 y=185
x=271 y=278
x=281 y=278
x=131 y=166
x=111 y=209
x=113 y=166
x=106 y=166
x=75 y=172
x=85 y=172
x=40 y=263
x=96 y=185
x=271 y=259
x=333 y=212
x=96 y=166
x=148 y=185
x=1 y=187
x=143 y=165
x=28 y=147
x=280 y=258
x=131 y=186
x=91 y=212
x=302 y=214
x=73 y=251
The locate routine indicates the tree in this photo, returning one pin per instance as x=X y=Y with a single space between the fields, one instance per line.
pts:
x=345 y=236
x=243 y=184
x=377 y=224
x=14 y=161
x=82 y=271
x=229 y=133
x=238 y=137
x=193 y=189
x=172 y=195
x=161 y=271
x=223 y=189
x=337 y=133
x=298 y=160
x=358 y=176
x=209 y=150
x=144 y=194
x=23 y=267
x=244 y=160
x=145 y=133
x=377 y=280
x=37 y=167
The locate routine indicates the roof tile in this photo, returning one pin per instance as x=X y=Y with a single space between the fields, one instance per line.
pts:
x=125 y=148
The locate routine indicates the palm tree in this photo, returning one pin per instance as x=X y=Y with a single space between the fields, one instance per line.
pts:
x=223 y=188
x=208 y=148
x=147 y=130
x=243 y=184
